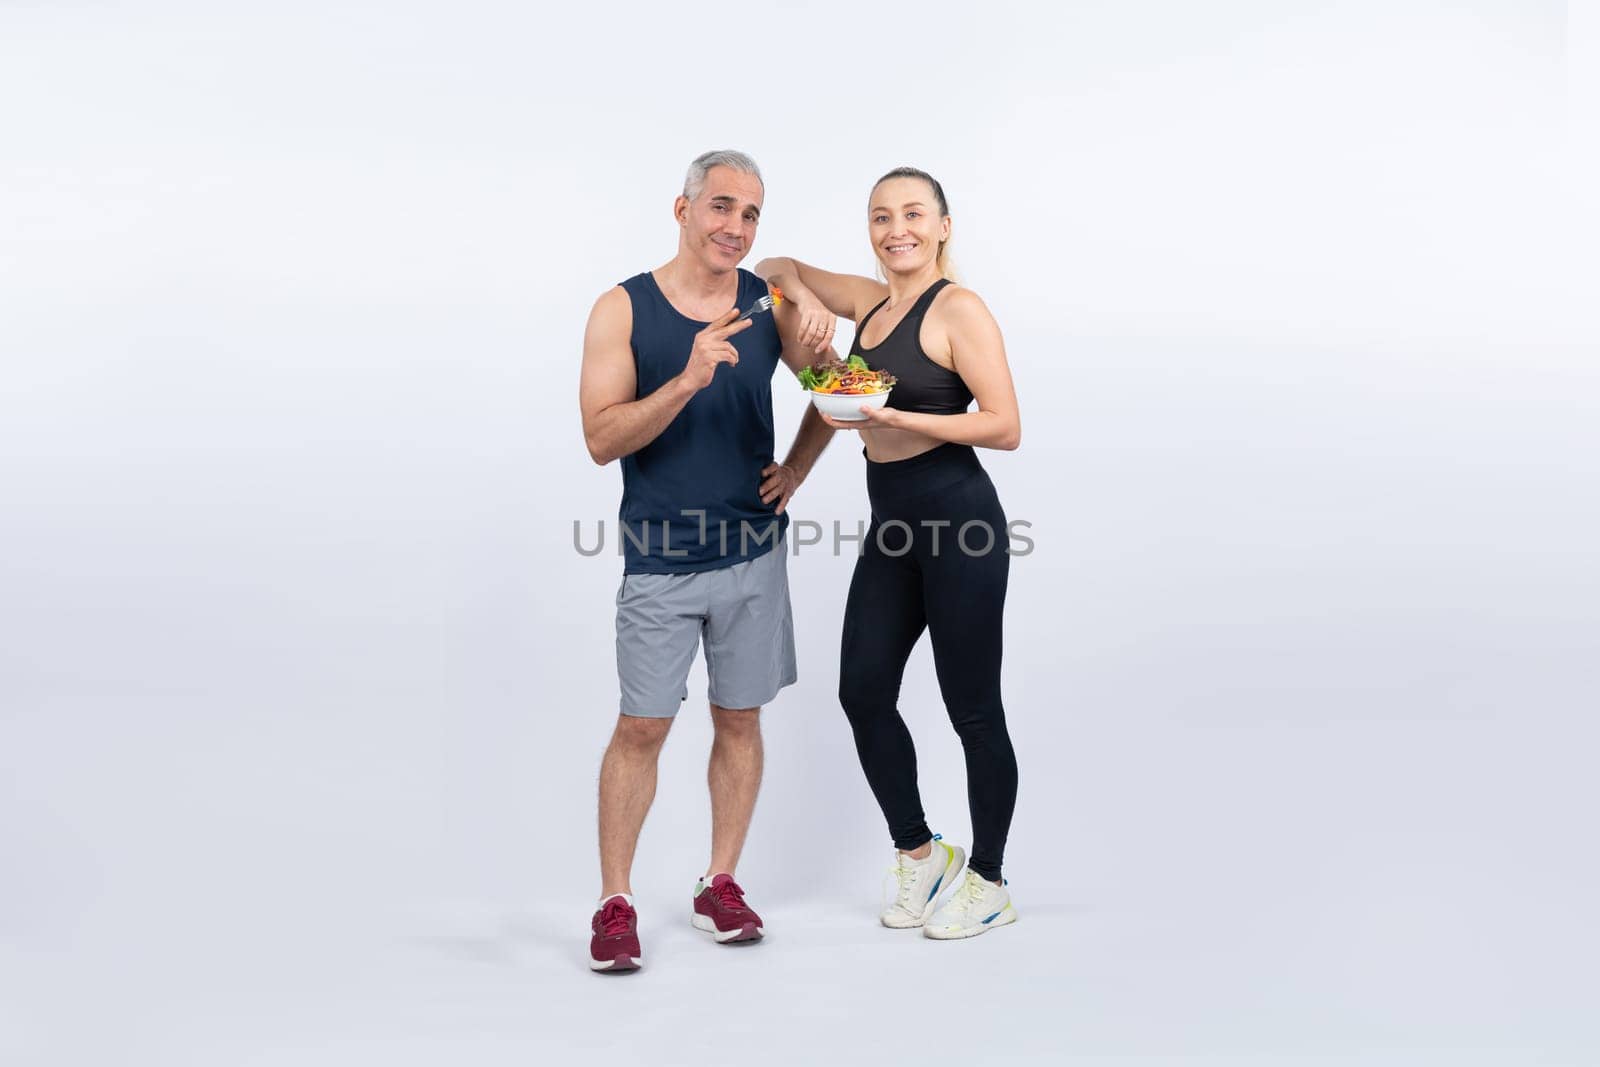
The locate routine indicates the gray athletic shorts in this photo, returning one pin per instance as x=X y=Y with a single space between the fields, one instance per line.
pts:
x=741 y=611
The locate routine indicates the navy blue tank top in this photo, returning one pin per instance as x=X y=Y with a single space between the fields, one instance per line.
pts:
x=922 y=385
x=709 y=458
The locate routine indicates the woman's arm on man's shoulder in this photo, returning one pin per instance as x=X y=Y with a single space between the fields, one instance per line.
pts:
x=849 y=296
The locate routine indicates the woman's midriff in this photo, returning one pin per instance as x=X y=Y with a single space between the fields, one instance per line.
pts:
x=887 y=446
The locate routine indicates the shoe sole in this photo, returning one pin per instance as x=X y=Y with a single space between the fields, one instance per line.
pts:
x=1005 y=918
x=957 y=861
x=747 y=932
x=620 y=965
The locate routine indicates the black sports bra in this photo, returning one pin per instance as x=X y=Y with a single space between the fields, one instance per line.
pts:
x=922 y=385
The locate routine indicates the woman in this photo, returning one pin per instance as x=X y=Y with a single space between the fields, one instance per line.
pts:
x=935 y=553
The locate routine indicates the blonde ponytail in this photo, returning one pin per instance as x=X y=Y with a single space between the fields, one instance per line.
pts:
x=947 y=264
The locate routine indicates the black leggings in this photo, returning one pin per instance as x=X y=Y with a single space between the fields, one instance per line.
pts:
x=941 y=509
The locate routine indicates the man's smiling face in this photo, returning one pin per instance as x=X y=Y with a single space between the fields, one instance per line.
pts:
x=720 y=223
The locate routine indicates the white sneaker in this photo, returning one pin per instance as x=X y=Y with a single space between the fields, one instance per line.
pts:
x=977 y=907
x=919 y=883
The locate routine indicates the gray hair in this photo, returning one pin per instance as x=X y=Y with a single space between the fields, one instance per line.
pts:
x=695 y=181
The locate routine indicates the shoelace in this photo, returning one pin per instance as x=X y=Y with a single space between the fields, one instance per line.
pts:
x=906 y=877
x=614 y=918
x=729 y=895
x=970 y=893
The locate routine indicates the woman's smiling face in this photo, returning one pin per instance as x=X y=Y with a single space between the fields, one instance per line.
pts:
x=905 y=225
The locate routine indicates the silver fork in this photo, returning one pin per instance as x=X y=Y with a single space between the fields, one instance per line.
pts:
x=764 y=304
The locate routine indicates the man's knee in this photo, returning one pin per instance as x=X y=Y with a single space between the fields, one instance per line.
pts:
x=640 y=733
x=736 y=722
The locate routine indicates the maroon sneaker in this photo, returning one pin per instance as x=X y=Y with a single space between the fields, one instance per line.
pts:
x=720 y=910
x=615 y=945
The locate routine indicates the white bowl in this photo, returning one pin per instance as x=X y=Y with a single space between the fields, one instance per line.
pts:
x=847 y=408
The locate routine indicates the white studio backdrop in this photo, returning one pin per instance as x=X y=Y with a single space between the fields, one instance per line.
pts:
x=303 y=686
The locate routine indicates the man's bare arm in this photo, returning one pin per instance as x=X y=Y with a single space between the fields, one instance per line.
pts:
x=809 y=441
x=616 y=423
x=814 y=434
x=778 y=485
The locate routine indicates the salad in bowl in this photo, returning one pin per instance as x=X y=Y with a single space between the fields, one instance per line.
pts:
x=839 y=387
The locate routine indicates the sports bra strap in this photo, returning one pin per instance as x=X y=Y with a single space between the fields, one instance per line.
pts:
x=924 y=302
